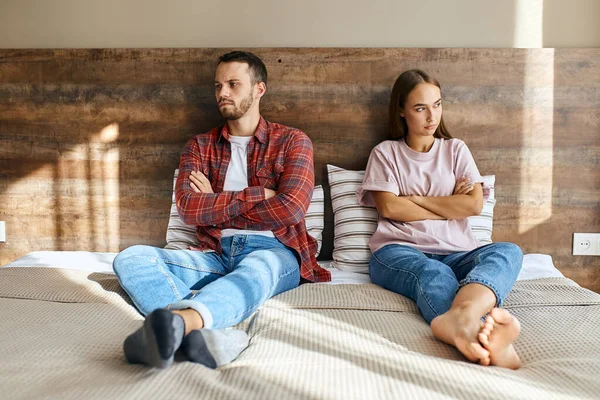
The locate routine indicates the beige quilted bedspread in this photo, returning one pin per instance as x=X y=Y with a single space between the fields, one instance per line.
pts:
x=61 y=333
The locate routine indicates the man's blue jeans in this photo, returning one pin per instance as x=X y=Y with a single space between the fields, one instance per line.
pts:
x=230 y=286
x=432 y=280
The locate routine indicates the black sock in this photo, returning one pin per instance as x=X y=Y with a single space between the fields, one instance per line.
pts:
x=214 y=347
x=156 y=342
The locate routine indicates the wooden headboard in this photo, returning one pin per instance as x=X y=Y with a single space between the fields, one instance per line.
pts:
x=89 y=139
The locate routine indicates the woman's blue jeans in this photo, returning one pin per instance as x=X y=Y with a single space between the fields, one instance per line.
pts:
x=230 y=286
x=432 y=280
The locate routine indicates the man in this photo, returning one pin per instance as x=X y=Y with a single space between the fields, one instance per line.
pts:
x=246 y=186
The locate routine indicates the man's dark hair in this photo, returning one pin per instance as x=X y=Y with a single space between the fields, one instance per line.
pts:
x=257 y=69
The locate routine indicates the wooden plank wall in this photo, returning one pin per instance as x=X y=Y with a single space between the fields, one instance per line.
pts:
x=89 y=139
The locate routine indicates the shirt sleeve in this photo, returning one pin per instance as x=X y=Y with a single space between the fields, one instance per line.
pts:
x=379 y=177
x=294 y=192
x=464 y=165
x=208 y=209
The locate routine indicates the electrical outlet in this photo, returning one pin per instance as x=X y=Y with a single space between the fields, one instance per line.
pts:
x=586 y=244
x=2 y=231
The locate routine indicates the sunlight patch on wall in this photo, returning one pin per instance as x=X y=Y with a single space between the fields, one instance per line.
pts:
x=86 y=194
x=105 y=194
x=537 y=142
x=109 y=133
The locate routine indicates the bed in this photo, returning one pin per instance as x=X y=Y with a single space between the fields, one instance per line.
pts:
x=90 y=141
x=64 y=319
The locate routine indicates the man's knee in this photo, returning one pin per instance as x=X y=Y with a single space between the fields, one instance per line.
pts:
x=121 y=263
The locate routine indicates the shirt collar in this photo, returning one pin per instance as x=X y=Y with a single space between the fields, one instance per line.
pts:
x=261 y=133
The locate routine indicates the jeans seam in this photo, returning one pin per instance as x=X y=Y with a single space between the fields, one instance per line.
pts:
x=132 y=298
x=125 y=287
x=170 y=261
x=169 y=280
x=200 y=269
x=477 y=253
x=418 y=283
x=232 y=255
x=472 y=258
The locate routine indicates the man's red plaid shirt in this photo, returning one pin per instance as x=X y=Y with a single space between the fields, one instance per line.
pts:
x=279 y=158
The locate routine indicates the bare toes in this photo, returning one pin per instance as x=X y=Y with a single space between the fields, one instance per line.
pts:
x=478 y=351
x=506 y=330
x=483 y=339
x=501 y=316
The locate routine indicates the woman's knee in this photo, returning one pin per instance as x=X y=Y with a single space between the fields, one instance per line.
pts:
x=510 y=247
x=511 y=251
x=509 y=257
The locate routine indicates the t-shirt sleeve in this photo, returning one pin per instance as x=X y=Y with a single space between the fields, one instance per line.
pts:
x=379 y=177
x=465 y=166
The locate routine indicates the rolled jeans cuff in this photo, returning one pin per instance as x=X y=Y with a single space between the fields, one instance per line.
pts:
x=485 y=283
x=204 y=312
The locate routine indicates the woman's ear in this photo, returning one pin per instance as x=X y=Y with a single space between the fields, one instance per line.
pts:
x=402 y=113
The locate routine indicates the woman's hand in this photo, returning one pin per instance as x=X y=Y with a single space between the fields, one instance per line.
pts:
x=463 y=186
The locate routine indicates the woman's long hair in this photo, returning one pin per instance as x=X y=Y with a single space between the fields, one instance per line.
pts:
x=405 y=83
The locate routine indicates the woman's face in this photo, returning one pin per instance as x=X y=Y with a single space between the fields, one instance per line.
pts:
x=423 y=110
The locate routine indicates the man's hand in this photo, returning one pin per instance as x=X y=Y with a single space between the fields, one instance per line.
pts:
x=269 y=193
x=200 y=183
x=463 y=186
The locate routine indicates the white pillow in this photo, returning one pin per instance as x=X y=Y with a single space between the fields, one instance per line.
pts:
x=355 y=224
x=181 y=236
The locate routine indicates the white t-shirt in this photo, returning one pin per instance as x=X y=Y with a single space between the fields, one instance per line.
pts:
x=236 y=178
x=394 y=167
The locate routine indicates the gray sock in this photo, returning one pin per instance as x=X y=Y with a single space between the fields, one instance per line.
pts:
x=214 y=347
x=156 y=342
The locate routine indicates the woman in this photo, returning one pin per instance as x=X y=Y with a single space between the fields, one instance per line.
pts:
x=425 y=184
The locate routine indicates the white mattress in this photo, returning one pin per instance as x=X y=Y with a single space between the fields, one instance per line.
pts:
x=535 y=266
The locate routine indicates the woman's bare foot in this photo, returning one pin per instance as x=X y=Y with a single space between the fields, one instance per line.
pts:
x=460 y=327
x=497 y=335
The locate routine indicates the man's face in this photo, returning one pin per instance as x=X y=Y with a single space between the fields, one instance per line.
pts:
x=234 y=90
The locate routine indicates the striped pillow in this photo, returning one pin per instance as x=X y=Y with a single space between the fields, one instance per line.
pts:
x=354 y=224
x=481 y=225
x=181 y=236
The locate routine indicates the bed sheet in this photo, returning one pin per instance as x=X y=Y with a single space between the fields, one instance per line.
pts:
x=535 y=266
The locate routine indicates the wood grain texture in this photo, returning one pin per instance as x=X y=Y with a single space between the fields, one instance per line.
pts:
x=529 y=116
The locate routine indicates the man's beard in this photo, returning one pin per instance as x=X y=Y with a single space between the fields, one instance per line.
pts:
x=237 y=112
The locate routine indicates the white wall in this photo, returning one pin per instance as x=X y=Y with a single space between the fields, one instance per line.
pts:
x=299 y=23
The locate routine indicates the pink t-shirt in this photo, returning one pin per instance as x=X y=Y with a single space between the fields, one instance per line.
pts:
x=394 y=167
